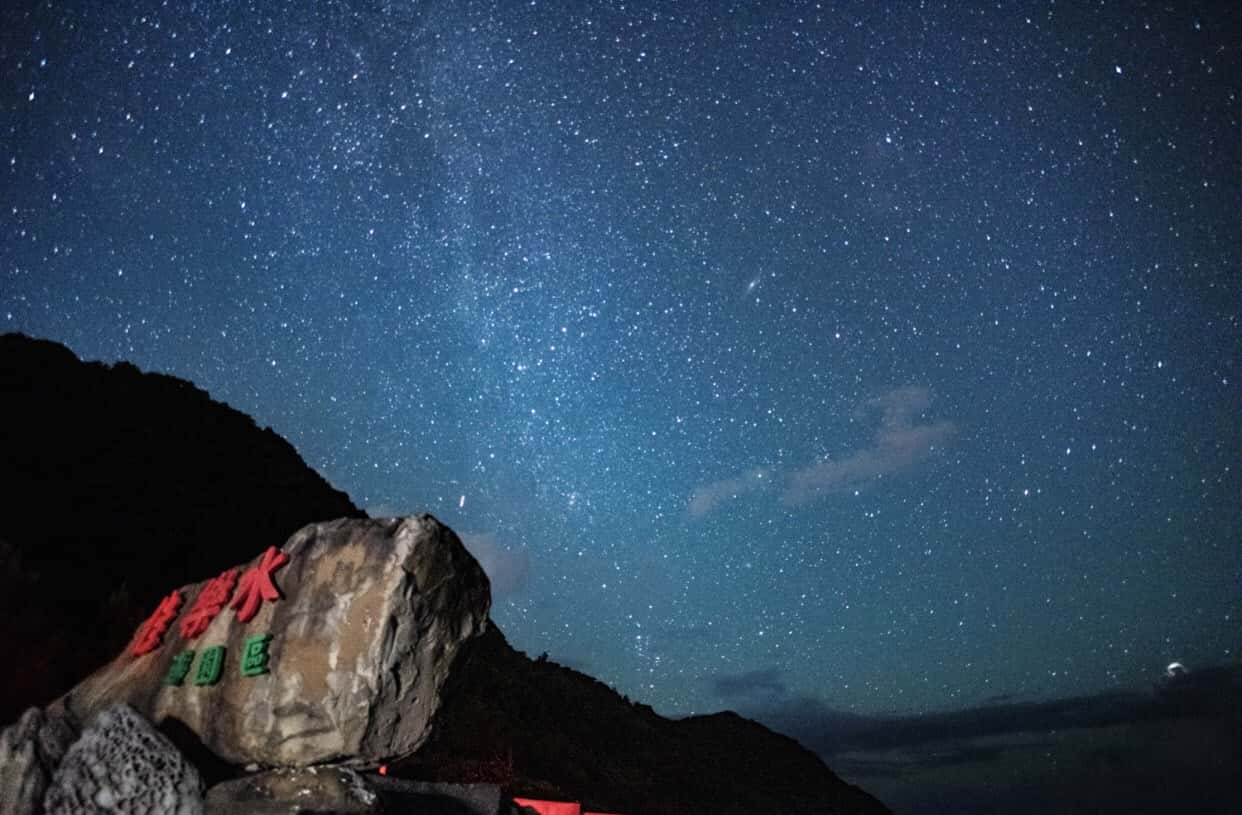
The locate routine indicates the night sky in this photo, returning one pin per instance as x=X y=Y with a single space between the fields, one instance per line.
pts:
x=886 y=355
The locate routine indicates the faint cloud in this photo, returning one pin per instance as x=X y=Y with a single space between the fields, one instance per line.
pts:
x=384 y=511
x=507 y=569
x=899 y=445
x=751 y=686
x=706 y=498
x=1064 y=747
x=1211 y=697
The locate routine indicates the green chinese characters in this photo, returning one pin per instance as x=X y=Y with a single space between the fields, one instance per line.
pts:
x=209 y=668
x=179 y=668
x=255 y=656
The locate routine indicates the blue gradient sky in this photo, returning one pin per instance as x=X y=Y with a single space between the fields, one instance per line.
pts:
x=887 y=352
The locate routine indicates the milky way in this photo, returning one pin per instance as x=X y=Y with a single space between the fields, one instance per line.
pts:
x=876 y=354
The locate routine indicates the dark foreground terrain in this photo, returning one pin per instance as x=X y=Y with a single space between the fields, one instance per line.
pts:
x=119 y=485
x=1174 y=746
x=551 y=731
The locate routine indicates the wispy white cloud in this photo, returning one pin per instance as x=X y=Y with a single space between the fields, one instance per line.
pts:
x=706 y=498
x=900 y=444
x=383 y=511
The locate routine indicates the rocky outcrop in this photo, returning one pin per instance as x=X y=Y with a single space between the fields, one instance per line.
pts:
x=343 y=791
x=30 y=751
x=114 y=485
x=122 y=765
x=334 y=648
x=338 y=790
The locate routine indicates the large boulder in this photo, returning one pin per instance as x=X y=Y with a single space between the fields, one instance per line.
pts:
x=123 y=765
x=30 y=751
x=334 y=648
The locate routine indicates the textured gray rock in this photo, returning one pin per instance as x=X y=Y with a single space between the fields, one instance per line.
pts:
x=30 y=750
x=339 y=654
x=121 y=764
x=301 y=789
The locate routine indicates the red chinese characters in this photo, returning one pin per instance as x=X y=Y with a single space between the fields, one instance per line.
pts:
x=256 y=585
x=151 y=633
x=210 y=601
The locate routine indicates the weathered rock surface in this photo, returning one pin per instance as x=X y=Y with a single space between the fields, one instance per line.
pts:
x=343 y=791
x=360 y=622
x=121 y=764
x=303 y=789
x=30 y=750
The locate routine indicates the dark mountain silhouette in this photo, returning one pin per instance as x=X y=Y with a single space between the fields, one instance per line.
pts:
x=118 y=486
x=540 y=729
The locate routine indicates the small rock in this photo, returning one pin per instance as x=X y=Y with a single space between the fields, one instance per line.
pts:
x=123 y=765
x=338 y=790
x=30 y=749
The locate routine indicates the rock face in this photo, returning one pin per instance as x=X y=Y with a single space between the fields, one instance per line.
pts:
x=166 y=485
x=342 y=791
x=335 y=647
x=30 y=751
x=121 y=764
x=338 y=790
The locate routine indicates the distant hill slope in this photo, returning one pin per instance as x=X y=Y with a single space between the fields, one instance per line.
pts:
x=542 y=730
x=115 y=486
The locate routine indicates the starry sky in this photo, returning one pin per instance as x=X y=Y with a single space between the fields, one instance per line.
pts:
x=885 y=355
